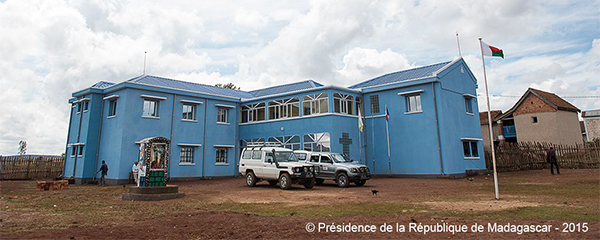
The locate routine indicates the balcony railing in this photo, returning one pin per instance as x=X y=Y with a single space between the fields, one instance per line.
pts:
x=509 y=131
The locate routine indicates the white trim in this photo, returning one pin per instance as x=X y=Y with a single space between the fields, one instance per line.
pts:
x=375 y=116
x=150 y=117
x=170 y=88
x=407 y=113
x=224 y=146
x=466 y=95
x=74 y=144
x=392 y=83
x=110 y=97
x=471 y=139
x=471 y=158
x=472 y=114
x=190 y=101
x=188 y=120
x=153 y=97
x=224 y=106
x=222 y=164
x=299 y=92
x=189 y=145
x=411 y=92
x=446 y=66
x=187 y=164
x=294 y=118
x=113 y=116
x=223 y=123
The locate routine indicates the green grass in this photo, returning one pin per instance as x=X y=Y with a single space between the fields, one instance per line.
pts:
x=533 y=213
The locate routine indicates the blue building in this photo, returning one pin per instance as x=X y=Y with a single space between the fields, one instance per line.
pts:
x=433 y=123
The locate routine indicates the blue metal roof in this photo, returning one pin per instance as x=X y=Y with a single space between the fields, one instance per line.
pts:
x=189 y=86
x=102 y=85
x=285 y=88
x=414 y=73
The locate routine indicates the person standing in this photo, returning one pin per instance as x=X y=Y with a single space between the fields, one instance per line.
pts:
x=104 y=170
x=551 y=158
x=135 y=169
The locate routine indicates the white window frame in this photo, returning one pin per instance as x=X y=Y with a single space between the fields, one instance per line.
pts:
x=186 y=155
x=252 y=112
x=319 y=142
x=471 y=143
x=155 y=108
x=413 y=103
x=314 y=103
x=113 y=108
x=86 y=106
x=469 y=105
x=221 y=155
x=223 y=115
x=343 y=102
x=188 y=115
x=284 y=108
x=288 y=141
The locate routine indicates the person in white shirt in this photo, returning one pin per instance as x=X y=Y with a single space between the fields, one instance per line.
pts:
x=135 y=169
x=141 y=175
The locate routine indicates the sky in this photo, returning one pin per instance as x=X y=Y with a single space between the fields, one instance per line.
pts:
x=50 y=49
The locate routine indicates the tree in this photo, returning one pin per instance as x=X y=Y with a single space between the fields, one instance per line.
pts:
x=228 y=85
x=22 y=147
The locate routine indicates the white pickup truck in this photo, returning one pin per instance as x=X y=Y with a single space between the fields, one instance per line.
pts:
x=275 y=165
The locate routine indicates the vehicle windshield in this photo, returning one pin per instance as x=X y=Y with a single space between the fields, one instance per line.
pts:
x=339 y=158
x=285 y=157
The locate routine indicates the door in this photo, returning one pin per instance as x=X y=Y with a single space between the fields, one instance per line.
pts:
x=327 y=168
x=255 y=163
x=270 y=171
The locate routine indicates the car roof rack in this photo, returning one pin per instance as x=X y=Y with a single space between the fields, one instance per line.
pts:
x=260 y=145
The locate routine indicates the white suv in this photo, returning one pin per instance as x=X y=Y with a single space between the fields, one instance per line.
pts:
x=275 y=164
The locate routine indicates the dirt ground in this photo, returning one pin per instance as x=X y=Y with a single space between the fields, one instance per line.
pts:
x=226 y=208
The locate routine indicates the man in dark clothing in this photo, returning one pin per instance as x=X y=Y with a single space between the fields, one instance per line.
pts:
x=104 y=169
x=551 y=158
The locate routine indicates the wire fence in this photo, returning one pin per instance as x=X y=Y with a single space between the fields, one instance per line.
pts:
x=532 y=156
x=31 y=167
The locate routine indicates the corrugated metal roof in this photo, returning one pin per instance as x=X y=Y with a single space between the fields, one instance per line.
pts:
x=102 y=85
x=189 y=86
x=285 y=88
x=414 y=73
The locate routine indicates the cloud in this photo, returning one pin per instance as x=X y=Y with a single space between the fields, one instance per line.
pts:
x=361 y=64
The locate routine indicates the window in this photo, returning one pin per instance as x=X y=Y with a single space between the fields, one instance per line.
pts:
x=253 y=112
x=374 y=103
x=325 y=159
x=247 y=154
x=284 y=108
x=187 y=155
x=189 y=112
x=291 y=142
x=150 y=108
x=112 y=108
x=80 y=151
x=74 y=150
x=221 y=155
x=86 y=105
x=342 y=103
x=413 y=103
x=222 y=115
x=470 y=149
x=469 y=105
x=78 y=107
x=256 y=154
x=534 y=119
x=301 y=156
x=318 y=142
x=315 y=103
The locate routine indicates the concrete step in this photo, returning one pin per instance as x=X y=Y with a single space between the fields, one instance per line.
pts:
x=154 y=190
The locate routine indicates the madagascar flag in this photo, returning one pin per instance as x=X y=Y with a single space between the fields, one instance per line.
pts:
x=491 y=51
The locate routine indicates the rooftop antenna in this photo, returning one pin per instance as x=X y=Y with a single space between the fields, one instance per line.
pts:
x=145 y=62
x=458 y=45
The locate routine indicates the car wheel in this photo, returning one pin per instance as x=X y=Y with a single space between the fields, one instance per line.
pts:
x=319 y=181
x=285 y=181
x=360 y=183
x=342 y=180
x=250 y=179
x=309 y=184
x=272 y=182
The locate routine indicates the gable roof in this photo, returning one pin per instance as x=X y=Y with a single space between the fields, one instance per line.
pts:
x=308 y=84
x=483 y=118
x=550 y=98
x=188 y=86
x=404 y=75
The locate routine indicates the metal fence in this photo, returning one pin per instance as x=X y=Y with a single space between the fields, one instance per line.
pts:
x=532 y=155
x=31 y=167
